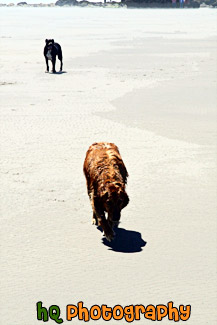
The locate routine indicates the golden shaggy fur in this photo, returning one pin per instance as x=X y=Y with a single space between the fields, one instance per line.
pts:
x=106 y=177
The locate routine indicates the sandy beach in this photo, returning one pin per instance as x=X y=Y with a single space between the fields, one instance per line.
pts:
x=145 y=80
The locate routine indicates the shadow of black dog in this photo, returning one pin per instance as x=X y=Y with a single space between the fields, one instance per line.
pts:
x=57 y=72
x=125 y=241
x=60 y=72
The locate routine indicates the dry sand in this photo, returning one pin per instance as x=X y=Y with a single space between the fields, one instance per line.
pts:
x=145 y=80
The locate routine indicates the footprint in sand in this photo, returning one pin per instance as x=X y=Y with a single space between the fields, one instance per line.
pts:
x=4 y=83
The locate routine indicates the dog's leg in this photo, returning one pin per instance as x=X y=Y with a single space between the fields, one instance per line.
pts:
x=108 y=232
x=94 y=220
x=46 y=59
x=61 y=64
x=110 y=219
x=60 y=57
x=54 y=63
x=100 y=215
x=91 y=195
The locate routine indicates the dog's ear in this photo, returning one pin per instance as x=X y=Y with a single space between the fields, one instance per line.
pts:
x=52 y=41
x=46 y=41
x=125 y=199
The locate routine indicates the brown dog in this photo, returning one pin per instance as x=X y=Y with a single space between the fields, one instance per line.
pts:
x=106 y=177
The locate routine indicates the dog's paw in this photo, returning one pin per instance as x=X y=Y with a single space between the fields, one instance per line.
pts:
x=94 y=222
x=109 y=236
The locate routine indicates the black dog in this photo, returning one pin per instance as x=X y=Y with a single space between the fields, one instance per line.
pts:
x=51 y=50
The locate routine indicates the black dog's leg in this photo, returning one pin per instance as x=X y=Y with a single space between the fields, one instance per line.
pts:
x=61 y=60
x=53 y=63
x=46 y=59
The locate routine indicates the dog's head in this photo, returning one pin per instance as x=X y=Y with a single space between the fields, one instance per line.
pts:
x=49 y=43
x=114 y=199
